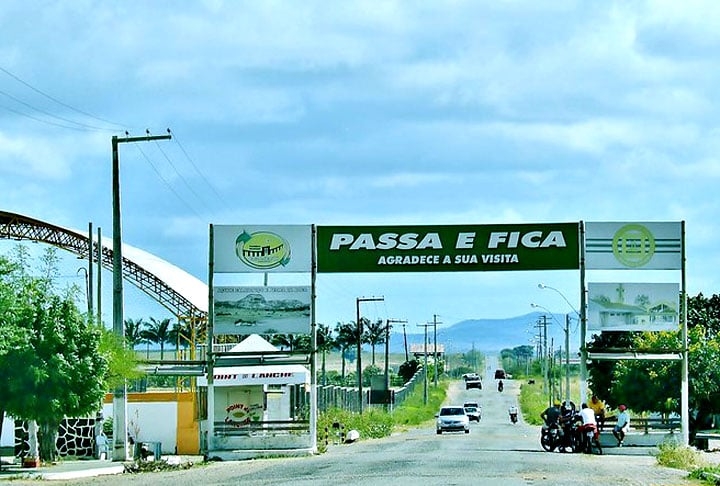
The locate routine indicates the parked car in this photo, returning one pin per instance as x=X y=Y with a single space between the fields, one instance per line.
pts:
x=473 y=410
x=452 y=419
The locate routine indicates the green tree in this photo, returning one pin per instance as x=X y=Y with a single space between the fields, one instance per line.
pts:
x=180 y=335
x=158 y=331
x=375 y=334
x=346 y=338
x=655 y=385
x=59 y=371
x=133 y=332
x=12 y=336
x=325 y=344
x=293 y=342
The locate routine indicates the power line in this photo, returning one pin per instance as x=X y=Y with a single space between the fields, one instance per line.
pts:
x=51 y=98
x=180 y=176
x=192 y=162
x=47 y=113
x=168 y=185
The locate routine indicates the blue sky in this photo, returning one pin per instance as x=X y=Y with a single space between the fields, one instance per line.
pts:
x=447 y=112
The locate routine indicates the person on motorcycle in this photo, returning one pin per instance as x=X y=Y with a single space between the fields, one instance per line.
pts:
x=500 y=386
x=567 y=418
x=513 y=411
x=551 y=415
x=587 y=417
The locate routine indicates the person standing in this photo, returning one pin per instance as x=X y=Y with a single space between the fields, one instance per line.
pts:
x=598 y=406
x=101 y=441
x=622 y=425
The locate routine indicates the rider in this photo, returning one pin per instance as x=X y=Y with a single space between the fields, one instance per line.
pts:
x=513 y=411
x=587 y=416
x=500 y=385
x=567 y=417
x=551 y=415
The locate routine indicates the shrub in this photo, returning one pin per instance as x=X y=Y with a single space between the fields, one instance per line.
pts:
x=671 y=454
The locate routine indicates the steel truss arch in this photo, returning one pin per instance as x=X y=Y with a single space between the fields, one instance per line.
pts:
x=19 y=227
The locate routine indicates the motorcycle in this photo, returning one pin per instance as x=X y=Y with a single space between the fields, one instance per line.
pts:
x=500 y=386
x=551 y=437
x=588 y=439
x=513 y=417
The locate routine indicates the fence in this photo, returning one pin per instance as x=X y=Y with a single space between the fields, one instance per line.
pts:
x=347 y=398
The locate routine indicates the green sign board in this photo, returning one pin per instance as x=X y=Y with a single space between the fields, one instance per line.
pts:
x=448 y=248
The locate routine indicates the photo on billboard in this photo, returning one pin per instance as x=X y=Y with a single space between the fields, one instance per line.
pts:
x=633 y=306
x=261 y=310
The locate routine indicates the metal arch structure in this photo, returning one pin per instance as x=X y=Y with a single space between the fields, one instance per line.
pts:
x=19 y=227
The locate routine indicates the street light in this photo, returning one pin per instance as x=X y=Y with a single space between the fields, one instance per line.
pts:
x=567 y=348
x=583 y=350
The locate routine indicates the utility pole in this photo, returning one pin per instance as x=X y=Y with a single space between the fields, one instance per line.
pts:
x=425 y=365
x=542 y=328
x=359 y=346
x=407 y=357
x=120 y=439
x=90 y=273
x=435 y=356
x=387 y=347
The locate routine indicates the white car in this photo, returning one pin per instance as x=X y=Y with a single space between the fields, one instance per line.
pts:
x=452 y=419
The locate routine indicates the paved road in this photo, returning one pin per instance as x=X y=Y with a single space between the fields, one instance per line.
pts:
x=495 y=452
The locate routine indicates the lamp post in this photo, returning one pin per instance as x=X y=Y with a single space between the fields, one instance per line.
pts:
x=583 y=350
x=567 y=348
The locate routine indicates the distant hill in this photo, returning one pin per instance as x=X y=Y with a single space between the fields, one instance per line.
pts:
x=487 y=335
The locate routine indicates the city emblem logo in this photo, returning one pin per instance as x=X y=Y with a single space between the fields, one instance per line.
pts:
x=262 y=250
x=633 y=245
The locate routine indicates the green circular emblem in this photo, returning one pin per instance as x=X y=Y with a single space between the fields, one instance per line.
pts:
x=262 y=250
x=633 y=245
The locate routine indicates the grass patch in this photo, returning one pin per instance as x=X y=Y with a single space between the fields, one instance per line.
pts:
x=413 y=410
x=533 y=401
x=671 y=454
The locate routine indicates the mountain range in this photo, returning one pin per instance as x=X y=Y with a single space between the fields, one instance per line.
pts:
x=486 y=335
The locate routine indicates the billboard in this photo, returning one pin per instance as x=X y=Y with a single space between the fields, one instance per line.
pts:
x=261 y=310
x=635 y=246
x=448 y=248
x=247 y=249
x=633 y=306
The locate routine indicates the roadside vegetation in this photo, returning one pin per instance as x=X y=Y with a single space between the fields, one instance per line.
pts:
x=377 y=422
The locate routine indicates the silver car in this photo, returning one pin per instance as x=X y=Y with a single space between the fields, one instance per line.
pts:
x=452 y=419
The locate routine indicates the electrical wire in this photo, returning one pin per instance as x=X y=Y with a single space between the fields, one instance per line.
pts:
x=51 y=98
x=192 y=162
x=57 y=117
x=168 y=185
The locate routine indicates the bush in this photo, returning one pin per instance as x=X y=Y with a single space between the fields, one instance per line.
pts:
x=671 y=454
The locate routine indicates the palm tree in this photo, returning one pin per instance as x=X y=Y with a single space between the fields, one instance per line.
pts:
x=346 y=338
x=133 y=332
x=158 y=331
x=375 y=334
x=180 y=334
x=293 y=342
x=325 y=343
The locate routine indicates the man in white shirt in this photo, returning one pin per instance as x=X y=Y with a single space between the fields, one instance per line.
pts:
x=588 y=415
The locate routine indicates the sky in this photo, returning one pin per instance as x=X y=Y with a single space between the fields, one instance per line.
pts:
x=366 y=113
